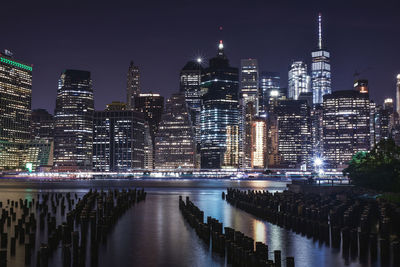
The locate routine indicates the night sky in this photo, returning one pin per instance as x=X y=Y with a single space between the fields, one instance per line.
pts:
x=161 y=36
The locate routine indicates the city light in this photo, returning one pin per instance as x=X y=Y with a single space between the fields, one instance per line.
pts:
x=318 y=162
x=199 y=60
x=274 y=93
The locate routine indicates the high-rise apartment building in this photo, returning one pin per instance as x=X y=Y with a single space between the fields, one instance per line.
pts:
x=258 y=144
x=132 y=85
x=346 y=127
x=118 y=139
x=320 y=69
x=294 y=133
x=175 y=146
x=299 y=80
x=220 y=113
x=190 y=79
x=270 y=85
x=15 y=110
x=73 y=129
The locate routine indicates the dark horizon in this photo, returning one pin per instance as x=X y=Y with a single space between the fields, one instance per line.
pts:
x=161 y=37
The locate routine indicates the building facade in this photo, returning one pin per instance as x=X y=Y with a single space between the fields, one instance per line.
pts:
x=220 y=114
x=118 y=139
x=190 y=79
x=270 y=84
x=346 y=127
x=320 y=69
x=175 y=146
x=299 y=80
x=15 y=110
x=294 y=134
x=42 y=125
x=258 y=144
x=132 y=85
x=73 y=129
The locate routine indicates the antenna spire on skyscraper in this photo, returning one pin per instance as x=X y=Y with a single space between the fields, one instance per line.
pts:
x=320 y=31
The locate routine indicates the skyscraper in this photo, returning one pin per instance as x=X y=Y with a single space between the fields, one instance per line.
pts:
x=249 y=93
x=346 y=126
x=40 y=149
x=118 y=139
x=73 y=130
x=42 y=125
x=175 y=146
x=258 y=143
x=133 y=85
x=299 y=80
x=270 y=83
x=220 y=113
x=152 y=107
x=15 y=110
x=294 y=133
x=398 y=95
x=249 y=78
x=320 y=68
x=190 y=79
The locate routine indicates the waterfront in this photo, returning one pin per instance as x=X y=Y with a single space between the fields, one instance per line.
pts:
x=154 y=233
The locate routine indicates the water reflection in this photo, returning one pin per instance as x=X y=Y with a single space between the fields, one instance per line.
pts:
x=154 y=233
x=260 y=231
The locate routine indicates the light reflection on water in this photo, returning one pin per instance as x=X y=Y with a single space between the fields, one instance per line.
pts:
x=154 y=233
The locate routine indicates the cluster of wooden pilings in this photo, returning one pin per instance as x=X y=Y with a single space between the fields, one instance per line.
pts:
x=79 y=219
x=357 y=224
x=238 y=248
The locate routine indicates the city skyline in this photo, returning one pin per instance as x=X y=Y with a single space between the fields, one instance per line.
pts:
x=79 y=48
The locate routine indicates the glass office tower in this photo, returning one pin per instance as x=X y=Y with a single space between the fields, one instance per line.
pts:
x=299 y=80
x=346 y=127
x=320 y=69
x=220 y=114
x=15 y=110
x=73 y=130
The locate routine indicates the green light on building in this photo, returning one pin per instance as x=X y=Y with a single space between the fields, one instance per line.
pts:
x=15 y=64
x=29 y=166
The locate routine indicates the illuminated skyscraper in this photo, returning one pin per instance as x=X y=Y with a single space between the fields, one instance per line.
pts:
x=190 y=79
x=270 y=83
x=258 y=144
x=15 y=110
x=346 y=127
x=175 y=146
x=73 y=130
x=220 y=113
x=152 y=107
x=249 y=80
x=299 y=80
x=320 y=69
x=398 y=95
x=133 y=85
x=294 y=133
x=118 y=139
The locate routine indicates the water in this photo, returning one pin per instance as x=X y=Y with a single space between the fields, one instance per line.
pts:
x=153 y=233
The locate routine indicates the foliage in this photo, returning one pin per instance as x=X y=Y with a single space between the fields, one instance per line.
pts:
x=378 y=169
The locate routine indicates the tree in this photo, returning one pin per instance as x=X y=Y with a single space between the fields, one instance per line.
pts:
x=378 y=169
